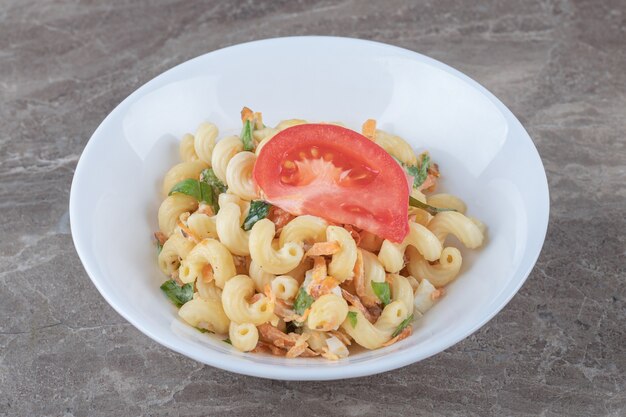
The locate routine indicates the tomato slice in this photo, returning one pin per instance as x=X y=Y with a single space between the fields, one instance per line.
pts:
x=337 y=174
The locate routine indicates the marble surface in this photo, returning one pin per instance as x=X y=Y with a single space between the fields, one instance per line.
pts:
x=557 y=349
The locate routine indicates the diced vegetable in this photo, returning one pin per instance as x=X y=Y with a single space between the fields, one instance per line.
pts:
x=258 y=210
x=246 y=135
x=382 y=291
x=352 y=317
x=177 y=294
x=302 y=302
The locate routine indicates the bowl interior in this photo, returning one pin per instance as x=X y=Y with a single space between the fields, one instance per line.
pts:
x=484 y=154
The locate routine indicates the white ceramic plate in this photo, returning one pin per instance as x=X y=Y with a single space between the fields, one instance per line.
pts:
x=485 y=156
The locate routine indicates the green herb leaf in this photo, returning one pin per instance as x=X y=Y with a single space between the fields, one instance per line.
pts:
x=159 y=247
x=352 y=318
x=402 y=325
x=201 y=330
x=208 y=175
x=382 y=291
x=199 y=190
x=302 y=302
x=432 y=210
x=177 y=294
x=246 y=136
x=258 y=210
x=227 y=340
x=422 y=171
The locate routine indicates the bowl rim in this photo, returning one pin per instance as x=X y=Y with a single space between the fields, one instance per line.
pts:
x=350 y=370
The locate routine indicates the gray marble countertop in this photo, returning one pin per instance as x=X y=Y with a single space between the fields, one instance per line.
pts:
x=557 y=349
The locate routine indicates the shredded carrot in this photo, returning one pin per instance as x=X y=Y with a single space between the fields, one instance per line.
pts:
x=406 y=332
x=355 y=232
x=246 y=114
x=325 y=286
x=369 y=129
x=187 y=233
x=324 y=249
x=344 y=338
x=207 y=273
x=356 y=302
x=160 y=237
x=319 y=269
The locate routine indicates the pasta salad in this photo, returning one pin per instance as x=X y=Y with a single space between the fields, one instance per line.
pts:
x=306 y=239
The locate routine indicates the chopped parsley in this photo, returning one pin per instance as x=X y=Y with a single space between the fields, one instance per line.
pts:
x=259 y=209
x=302 y=302
x=352 y=318
x=382 y=291
x=227 y=340
x=402 y=326
x=246 y=135
x=177 y=294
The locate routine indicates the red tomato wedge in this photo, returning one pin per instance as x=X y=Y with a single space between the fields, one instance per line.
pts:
x=337 y=174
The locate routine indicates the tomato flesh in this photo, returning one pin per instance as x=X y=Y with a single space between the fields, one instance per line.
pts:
x=337 y=174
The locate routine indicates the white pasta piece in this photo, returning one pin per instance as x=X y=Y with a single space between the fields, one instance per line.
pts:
x=373 y=271
x=186 y=149
x=260 y=277
x=401 y=290
x=235 y=297
x=424 y=299
x=206 y=314
x=303 y=229
x=391 y=255
x=208 y=252
x=457 y=224
x=262 y=136
x=228 y=223
x=327 y=313
x=239 y=176
x=174 y=249
x=439 y=274
x=181 y=172
x=341 y=267
x=202 y=225
x=285 y=287
x=223 y=152
x=208 y=290
x=284 y=124
x=396 y=147
x=447 y=201
x=418 y=195
x=262 y=251
x=170 y=210
x=244 y=337
x=373 y=336
x=204 y=141
x=226 y=198
x=336 y=347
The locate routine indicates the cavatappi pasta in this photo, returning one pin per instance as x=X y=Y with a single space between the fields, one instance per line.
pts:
x=299 y=286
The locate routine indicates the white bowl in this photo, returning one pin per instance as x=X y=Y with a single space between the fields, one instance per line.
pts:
x=485 y=156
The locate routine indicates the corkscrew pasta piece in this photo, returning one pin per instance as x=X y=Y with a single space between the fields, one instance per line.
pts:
x=373 y=271
x=341 y=267
x=181 y=172
x=244 y=337
x=228 y=224
x=186 y=149
x=170 y=210
x=396 y=147
x=208 y=290
x=284 y=124
x=204 y=141
x=202 y=225
x=285 y=287
x=260 y=277
x=209 y=252
x=373 y=336
x=303 y=229
x=391 y=255
x=205 y=314
x=457 y=224
x=239 y=176
x=447 y=201
x=439 y=274
x=401 y=290
x=327 y=313
x=174 y=249
x=263 y=253
x=238 y=306
x=222 y=153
